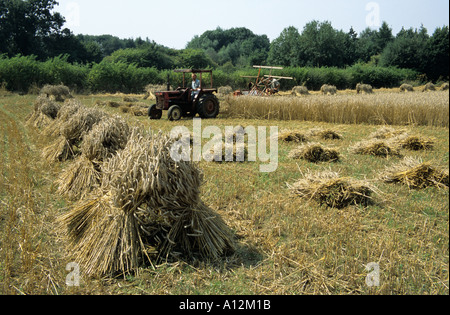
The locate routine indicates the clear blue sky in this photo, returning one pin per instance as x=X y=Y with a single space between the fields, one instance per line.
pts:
x=174 y=23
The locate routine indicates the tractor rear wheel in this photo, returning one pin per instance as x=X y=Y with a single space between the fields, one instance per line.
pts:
x=208 y=106
x=154 y=113
x=175 y=113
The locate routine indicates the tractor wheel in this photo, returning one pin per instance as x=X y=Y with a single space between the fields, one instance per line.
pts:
x=175 y=113
x=154 y=113
x=208 y=106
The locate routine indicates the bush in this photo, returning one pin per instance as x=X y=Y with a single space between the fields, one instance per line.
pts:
x=120 y=77
x=21 y=72
x=59 y=71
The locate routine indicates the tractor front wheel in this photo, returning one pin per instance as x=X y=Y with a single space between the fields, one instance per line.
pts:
x=208 y=106
x=175 y=113
x=154 y=113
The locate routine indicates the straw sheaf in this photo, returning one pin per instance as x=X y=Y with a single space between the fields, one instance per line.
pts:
x=375 y=147
x=328 y=188
x=414 y=142
x=58 y=92
x=145 y=171
x=71 y=134
x=45 y=111
x=300 y=90
x=416 y=174
x=81 y=123
x=103 y=238
x=238 y=153
x=148 y=208
x=315 y=153
x=105 y=139
x=84 y=175
x=325 y=134
x=387 y=133
x=79 y=178
x=66 y=111
x=292 y=136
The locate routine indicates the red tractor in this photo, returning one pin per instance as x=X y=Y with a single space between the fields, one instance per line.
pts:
x=185 y=101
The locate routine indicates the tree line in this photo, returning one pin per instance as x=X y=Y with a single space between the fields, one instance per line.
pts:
x=33 y=30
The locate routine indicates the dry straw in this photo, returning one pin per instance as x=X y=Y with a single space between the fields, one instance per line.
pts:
x=315 y=153
x=148 y=207
x=328 y=89
x=387 y=133
x=414 y=142
x=324 y=134
x=45 y=112
x=71 y=134
x=392 y=109
x=84 y=175
x=416 y=174
x=406 y=88
x=66 y=111
x=57 y=92
x=237 y=153
x=375 y=147
x=401 y=139
x=429 y=87
x=329 y=188
x=364 y=88
x=292 y=136
x=299 y=91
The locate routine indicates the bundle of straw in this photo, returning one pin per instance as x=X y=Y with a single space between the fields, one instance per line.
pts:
x=332 y=190
x=376 y=147
x=292 y=136
x=106 y=138
x=387 y=133
x=315 y=153
x=147 y=204
x=414 y=142
x=238 y=153
x=67 y=110
x=416 y=174
x=58 y=92
x=325 y=134
x=45 y=111
x=71 y=133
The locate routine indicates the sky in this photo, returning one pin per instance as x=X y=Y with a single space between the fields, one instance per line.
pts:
x=173 y=23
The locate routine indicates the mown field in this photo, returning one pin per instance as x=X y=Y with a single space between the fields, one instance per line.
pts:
x=285 y=244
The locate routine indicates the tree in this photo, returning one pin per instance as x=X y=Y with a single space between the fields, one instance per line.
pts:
x=383 y=37
x=285 y=50
x=193 y=58
x=25 y=25
x=240 y=46
x=149 y=56
x=437 y=54
x=322 y=45
x=371 y=43
x=407 y=51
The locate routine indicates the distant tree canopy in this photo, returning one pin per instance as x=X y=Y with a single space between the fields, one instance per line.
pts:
x=320 y=45
x=32 y=28
x=415 y=49
x=238 y=46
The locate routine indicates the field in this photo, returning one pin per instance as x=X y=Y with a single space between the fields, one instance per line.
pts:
x=286 y=245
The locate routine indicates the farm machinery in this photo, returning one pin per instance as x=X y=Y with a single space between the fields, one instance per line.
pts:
x=186 y=101
x=263 y=85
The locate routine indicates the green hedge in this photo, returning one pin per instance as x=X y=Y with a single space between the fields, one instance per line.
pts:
x=20 y=73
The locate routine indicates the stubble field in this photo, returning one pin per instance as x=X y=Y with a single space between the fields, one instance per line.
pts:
x=285 y=244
